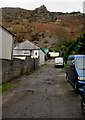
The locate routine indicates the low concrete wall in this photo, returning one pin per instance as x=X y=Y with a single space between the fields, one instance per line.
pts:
x=16 y=67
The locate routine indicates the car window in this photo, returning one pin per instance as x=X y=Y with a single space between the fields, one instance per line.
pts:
x=80 y=63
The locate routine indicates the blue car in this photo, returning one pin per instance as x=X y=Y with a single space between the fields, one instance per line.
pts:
x=75 y=71
x=83 y=100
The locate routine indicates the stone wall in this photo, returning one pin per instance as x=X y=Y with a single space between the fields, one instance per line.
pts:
x=16 y=67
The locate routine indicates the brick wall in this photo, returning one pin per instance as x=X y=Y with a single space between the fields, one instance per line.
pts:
x=16 y=67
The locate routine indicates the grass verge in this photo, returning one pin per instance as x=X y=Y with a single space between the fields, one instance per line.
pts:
x=6 y=86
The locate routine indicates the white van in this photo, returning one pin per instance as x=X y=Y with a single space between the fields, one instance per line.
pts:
x=58 y=62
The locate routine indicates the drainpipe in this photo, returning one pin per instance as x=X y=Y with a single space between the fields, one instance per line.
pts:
x=34 y=63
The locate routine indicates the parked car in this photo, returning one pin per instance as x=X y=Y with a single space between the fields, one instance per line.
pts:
x=75 y=71
x=83 y=100
x=58 y=62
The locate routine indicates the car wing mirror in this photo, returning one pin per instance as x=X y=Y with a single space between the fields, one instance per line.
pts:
x=72 y=64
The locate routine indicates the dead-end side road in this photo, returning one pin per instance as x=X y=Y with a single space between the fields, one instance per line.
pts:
x=42 y=94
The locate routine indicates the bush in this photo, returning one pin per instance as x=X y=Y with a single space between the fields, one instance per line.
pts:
x=73 y=47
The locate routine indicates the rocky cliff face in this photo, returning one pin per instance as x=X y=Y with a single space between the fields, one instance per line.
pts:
x=47 y=29
x=41 y=10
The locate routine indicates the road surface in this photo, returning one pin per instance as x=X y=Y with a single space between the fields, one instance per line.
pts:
x=42 y=94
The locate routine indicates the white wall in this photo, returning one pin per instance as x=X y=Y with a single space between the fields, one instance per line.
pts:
x=42 y=57
x=36 y=53
x=7 y=42
x=21 y=53
x=33 y=53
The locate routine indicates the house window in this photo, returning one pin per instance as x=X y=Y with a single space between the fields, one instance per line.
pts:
x=35 y=53
x=26 y=52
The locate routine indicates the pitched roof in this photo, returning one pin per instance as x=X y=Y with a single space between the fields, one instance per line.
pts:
x=26 y=45
x=7 y=30
x=43 y=51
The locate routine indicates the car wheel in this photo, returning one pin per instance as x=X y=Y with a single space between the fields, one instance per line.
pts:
x=83 y=105
x=67 y=78
x=75 y=87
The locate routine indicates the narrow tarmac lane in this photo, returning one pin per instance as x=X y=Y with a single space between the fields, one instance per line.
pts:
x=42 y=94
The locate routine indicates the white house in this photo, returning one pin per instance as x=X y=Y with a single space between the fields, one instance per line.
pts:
x=28 y=49
x=6 y=43
x=25 y=49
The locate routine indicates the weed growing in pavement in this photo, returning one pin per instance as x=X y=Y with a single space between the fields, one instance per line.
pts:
x=9 y=84
x=0 y=89
x=6 y=86
x=64 y=68
x=30 y=72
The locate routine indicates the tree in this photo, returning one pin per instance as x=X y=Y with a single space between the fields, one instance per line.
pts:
x=73 y=47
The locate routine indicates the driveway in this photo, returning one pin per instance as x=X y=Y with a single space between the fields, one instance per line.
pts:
x=42 y=94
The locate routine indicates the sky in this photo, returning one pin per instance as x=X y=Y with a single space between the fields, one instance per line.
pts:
x=51 y=5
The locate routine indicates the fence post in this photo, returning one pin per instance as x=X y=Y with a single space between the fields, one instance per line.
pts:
x=34 y=63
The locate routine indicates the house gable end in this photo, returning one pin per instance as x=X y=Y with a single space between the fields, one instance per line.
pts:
x=7 y=31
